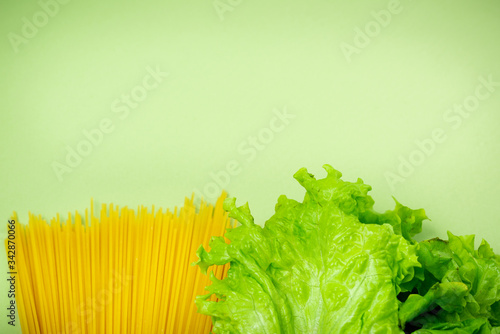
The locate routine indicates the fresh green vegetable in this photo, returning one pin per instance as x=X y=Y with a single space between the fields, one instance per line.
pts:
x=331 y=264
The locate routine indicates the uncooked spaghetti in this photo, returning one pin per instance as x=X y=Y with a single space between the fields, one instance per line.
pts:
x=121 y=272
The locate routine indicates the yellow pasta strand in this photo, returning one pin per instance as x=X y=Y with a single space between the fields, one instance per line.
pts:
x=123 y=271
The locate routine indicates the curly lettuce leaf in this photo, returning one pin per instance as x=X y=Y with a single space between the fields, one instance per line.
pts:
x=455 y=261
x=328 y=264
x=331 y=264
x=449 y=296
x=472 y=326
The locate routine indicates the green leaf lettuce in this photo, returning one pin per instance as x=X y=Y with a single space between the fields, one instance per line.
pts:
x=331 y=264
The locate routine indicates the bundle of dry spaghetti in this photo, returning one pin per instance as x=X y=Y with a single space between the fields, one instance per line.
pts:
x=122 y=272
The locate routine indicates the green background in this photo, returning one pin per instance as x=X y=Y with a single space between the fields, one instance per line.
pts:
x=363 y=84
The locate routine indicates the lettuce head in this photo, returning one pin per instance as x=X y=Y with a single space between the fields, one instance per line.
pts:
x=331 y=264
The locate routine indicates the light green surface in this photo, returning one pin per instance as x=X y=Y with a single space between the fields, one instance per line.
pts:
x=230 y=73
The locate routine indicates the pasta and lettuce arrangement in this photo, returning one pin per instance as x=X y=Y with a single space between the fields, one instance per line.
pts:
x=331 y=264
x=328 y=264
